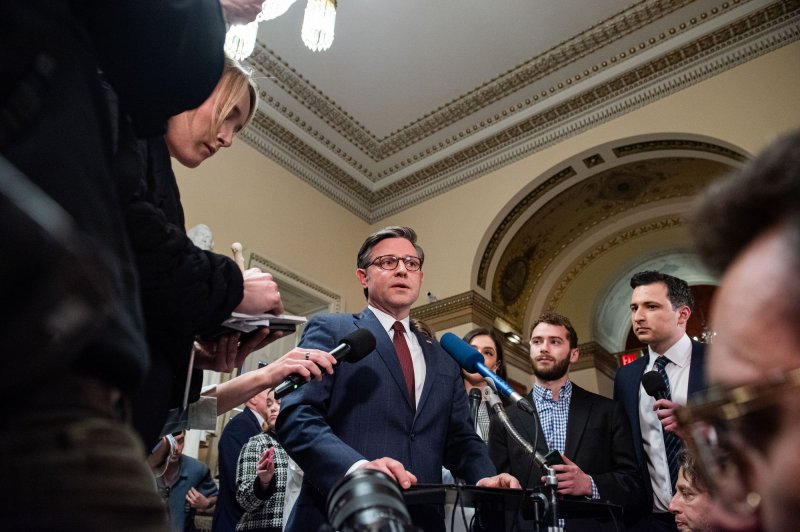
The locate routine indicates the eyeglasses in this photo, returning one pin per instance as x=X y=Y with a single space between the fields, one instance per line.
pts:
x=722 y=424
x=390 y=262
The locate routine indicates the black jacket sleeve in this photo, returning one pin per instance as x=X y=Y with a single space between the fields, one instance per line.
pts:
x=185 y=290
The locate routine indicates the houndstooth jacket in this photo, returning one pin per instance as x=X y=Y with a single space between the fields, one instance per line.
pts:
x=263 y=509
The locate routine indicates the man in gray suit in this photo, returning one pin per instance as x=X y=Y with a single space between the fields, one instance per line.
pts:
x=401 y=409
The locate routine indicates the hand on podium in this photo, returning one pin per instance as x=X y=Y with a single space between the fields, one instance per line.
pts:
x=503 y=480
x=394 y=469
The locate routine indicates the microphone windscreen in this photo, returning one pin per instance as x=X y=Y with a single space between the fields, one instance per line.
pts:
x=361 y=342
x=467 y=356
x=654 y=384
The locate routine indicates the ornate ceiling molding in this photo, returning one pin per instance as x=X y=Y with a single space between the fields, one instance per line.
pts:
x=444 y=163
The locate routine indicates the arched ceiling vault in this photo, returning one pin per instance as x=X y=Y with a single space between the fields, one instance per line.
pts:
x=579 y=230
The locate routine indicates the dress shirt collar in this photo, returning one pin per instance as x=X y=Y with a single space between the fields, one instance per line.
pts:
x=259 y=417
x=679 y=354
x=387 y=321
x=540 y=393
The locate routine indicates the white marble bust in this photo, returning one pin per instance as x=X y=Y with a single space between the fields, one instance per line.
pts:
x=201 y=235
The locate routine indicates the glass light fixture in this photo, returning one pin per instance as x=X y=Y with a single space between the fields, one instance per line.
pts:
x=317 y=31
x=241 y=40
x=318 y=24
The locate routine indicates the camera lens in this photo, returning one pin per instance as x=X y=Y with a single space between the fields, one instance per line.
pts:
x=367 y=499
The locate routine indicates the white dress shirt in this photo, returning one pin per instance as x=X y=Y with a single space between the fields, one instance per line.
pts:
x=680 y=356
x=417 y=358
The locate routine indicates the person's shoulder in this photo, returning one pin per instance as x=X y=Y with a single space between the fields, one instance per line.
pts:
x=630 y=370
x=191 y=464
x=698 y=348
x=328 y=318
x=239 y=422
x=595 y=397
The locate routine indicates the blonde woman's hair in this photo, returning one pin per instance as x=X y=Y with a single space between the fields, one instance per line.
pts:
x=235 y=80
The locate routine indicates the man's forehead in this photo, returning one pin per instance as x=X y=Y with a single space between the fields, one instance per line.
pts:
x=394 y=243
x=549 y=330
x=652 y=291
x=755 y=332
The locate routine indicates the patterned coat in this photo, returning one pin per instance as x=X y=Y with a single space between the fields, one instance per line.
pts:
x=263 y=508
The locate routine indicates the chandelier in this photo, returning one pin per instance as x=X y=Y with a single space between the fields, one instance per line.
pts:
x=317 y=30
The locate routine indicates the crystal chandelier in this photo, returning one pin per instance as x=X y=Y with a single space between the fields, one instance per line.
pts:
x=317 y=31
x=318 y=22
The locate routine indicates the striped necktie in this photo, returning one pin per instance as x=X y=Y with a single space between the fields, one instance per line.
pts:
x=671 y=441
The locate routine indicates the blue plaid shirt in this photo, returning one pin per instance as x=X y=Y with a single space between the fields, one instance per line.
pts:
x=553 y=415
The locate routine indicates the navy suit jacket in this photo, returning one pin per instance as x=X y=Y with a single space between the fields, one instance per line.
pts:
x=236 y=434
x=628 y=385
x=363 y=412
x=598 y=440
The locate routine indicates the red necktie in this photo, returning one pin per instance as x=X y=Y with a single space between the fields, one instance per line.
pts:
x=404 y=356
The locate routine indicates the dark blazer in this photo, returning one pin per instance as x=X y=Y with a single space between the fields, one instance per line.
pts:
x=598 y=440
x=363 y=412
x=235 y=436
x=627 y=386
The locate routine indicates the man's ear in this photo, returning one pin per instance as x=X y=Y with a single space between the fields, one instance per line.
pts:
x=683 y=315
x=361 y=275
x=574 y=355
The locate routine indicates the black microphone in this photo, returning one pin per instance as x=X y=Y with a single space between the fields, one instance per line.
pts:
x=352 y=348
x=474 y=403
x=654 y=385
x=471 y=360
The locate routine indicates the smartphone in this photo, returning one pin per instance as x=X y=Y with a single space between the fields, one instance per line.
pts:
x=553 y=458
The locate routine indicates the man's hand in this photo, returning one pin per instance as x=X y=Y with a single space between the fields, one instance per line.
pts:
x=394 y=469
x=261 y=295
x=229 y=351
x=571 y=479
x=665 y=410
x=265 y=467
x=197 y=500
x=241 y=11
x=503 y=480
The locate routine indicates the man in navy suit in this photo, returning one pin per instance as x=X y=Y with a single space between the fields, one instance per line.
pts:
x=660 y=308
x=236 y=434
x=401 y=409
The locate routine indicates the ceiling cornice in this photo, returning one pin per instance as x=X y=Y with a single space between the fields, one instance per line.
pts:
x=547 y=116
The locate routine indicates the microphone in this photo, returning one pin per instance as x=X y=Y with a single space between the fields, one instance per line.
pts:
x=654 y=385
x=352 y=348
x=471 y=360
x=497 y=407
x=474 y=403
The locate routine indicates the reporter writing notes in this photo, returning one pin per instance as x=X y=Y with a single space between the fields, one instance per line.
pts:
x=186 y=291
x=590 y=431
x=405 y=417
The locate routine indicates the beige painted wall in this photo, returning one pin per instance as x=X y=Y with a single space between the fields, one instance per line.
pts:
x=245 y=196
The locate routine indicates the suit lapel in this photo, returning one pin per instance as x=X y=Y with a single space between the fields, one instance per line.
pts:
x=579 y=412
x=385 y=350
x=432 y=363
x=697 y=378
